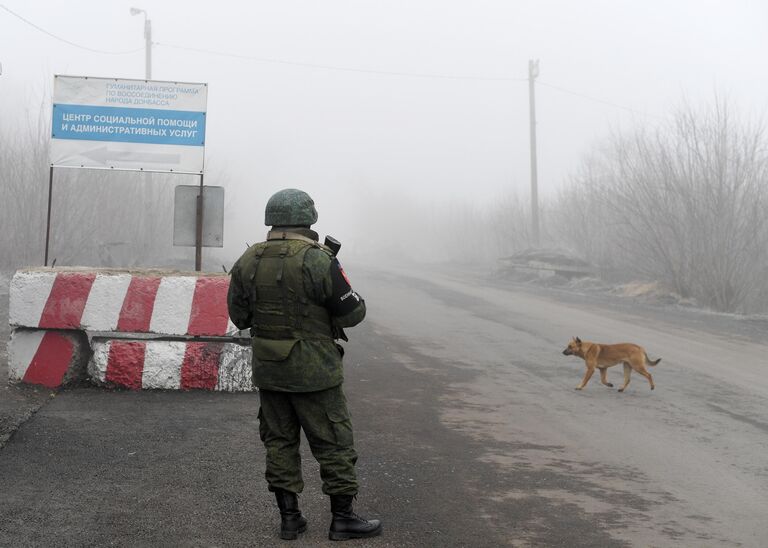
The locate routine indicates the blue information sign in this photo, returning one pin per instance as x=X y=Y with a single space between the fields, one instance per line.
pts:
x=128 y=125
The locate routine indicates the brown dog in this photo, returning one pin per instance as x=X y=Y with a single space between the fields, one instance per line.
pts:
x=603 y=356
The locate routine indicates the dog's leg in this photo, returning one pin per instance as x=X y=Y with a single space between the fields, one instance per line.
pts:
x=604 y=377
x=645 y=373
x=587 y=376
x=627 y=372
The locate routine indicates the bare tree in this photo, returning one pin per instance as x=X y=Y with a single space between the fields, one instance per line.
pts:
x=686 y=204
x=100 y=218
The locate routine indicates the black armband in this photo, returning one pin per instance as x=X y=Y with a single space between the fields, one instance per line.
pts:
x=344 y=299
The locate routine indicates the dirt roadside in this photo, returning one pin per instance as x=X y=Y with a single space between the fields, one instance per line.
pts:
x=643 y=299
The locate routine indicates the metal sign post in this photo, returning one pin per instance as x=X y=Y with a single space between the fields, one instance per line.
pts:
x=48 y=223
x=199 y=229
x=198 y=218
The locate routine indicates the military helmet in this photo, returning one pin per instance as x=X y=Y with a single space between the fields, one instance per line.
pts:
x=290 y=207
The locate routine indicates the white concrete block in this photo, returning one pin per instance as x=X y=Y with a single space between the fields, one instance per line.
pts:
x=29 y=293
x=173 y=305
x=102 y=310
x=162 y=365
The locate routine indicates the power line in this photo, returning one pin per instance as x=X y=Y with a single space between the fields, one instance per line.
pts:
x=344 y=69
x=397 y=73
x=59 y=38
x=602 y=101
x=331 y=67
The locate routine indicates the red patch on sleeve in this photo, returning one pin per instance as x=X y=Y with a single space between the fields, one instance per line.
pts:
x=344 y=274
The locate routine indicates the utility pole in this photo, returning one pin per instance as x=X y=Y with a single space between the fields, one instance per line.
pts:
x=145 y=190
x=533 y=72
x=147 y=43
x=147 y=48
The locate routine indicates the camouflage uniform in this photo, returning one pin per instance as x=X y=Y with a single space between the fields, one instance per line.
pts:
x=293 y=295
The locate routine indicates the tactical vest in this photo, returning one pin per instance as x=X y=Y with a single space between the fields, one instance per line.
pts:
x=283 y=313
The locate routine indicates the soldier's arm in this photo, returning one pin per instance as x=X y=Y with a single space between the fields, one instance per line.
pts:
x=346 y=306
x=238 y=303
x=332 y=289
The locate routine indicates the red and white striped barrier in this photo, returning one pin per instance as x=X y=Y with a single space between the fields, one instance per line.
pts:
x=171 y=365
x=51 y=310
x=47 y=358
x=100 y=300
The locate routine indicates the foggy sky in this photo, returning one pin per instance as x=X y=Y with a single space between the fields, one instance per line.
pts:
x=347 y=136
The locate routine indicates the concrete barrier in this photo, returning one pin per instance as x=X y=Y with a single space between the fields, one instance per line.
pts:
x=171 y=365
x=136 y=329
x=48 y=358
x=102 y=300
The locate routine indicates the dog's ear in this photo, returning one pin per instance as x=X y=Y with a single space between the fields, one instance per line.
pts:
x=578 y=340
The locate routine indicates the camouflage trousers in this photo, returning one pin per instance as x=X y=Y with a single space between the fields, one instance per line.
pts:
x=326 y=423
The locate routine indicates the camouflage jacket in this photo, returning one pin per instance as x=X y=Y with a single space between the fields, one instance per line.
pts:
x=294 y=296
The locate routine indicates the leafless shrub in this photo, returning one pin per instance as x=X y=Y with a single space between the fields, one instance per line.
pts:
x=578 y=219
x=508 y=224
x=99 y=218
x=686 y=204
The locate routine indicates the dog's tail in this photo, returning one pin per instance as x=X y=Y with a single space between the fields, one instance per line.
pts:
x=649 y=362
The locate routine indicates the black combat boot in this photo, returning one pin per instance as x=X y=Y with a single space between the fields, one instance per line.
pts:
x=291 y=521
x=346 y=524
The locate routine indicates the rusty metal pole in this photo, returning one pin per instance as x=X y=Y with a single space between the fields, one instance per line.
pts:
x=48 y=223
x=199 y=229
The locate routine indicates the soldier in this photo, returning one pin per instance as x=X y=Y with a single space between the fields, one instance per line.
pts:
x=294 y=296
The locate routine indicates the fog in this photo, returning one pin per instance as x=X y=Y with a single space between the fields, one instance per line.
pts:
x=408 y=122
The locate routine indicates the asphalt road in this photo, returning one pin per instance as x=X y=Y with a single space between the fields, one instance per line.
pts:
x=468 y=427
